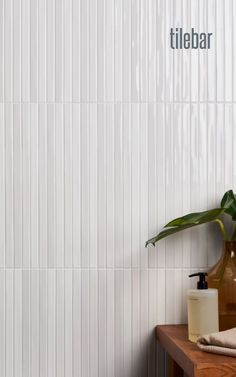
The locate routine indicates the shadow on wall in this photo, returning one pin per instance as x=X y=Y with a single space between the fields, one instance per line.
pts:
x=151 y=362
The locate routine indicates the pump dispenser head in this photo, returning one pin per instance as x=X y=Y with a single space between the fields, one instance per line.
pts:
x=202 y=283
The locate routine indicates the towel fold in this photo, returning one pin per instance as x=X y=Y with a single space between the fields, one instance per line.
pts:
x=223 y=342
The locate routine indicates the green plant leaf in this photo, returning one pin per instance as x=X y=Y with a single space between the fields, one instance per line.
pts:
x=188 y=221
x=229 y=203
x=196 y=218
x=167 y=232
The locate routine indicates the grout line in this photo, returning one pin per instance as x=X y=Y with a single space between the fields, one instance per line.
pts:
x=101 y=268
x=114 y=102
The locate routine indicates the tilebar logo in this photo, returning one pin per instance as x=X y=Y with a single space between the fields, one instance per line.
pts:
x=181 y=40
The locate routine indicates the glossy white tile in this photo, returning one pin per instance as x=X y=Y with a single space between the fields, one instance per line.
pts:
x=106 y=134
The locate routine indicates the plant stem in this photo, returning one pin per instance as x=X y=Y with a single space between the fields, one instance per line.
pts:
x=222 y=228
x=234 y=234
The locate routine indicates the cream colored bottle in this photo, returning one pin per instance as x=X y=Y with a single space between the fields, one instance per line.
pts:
x=203 y=316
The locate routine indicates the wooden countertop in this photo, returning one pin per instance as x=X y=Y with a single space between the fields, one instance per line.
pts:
x=174 y=339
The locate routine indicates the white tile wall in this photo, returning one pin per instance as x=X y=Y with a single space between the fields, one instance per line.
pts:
x=106 y=134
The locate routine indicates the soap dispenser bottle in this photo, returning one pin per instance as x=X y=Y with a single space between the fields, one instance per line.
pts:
x=203 y=317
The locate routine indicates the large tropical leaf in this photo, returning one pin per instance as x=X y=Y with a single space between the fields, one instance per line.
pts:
x=187 y=221
x=196 y=218
x=229 y=203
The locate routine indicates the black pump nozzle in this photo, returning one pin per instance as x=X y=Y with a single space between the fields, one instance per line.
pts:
x=202 y=283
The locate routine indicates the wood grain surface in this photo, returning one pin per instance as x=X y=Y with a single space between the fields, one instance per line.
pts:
x=186 y=354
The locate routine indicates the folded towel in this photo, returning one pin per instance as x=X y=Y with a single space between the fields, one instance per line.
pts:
x=223 y=342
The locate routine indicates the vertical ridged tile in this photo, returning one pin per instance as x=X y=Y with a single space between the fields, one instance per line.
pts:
x=34 y=323
x=16 y=50
x=101 y=64
x=68 y=324
x=17 y=186
x=127 y=182
x=144 y=51
x=51 y=323
x=228 y=49
x=25 y=50
x=186 y=180
x=234 y=56
x=50 y=51
x=194 y=62
x=109 y=51
x=110 y=322
x=118 y=56
x=127 y=277
x=84 y=48
x=118 y=171
x=154 y=37
x=178 y=54
x=169 y=53
x=102 y=315
x=126 y=53
x=60 y=183
x=8 y=50
x=170 y=296
x=2 y=59
x=110 y=186
x=186 y=81
x=160 y=171
x=220 y=50
x=51 y=221
x=9 y=214
x=102 y=204
x=76 y=49
x=203 y=54
x=161 y=296
x=177 y=177
x=68 y=255
x=169 y=182
x=229 y=150
x=67 y=66
x=119 y=323
x=211 y=56
x=43 y=344
x=160 y=51
x=233 y=140
x=144 y=331
x=135 y=321
x=93 y=323
x=77 y=322
x=34 y=50
x=135 y=192
x=26 y=336
x=42 y=184
x=42 y=50
x=34 y=186
x=93 y=49
x=84 y=336
x=18 y=323
x=135 y=52
x=84 y=194
x=60 y=323
x=26 y=185
x=153 y=140
x=60 y=26
x=3 y=323
x=94 y=159
x=2 y=188
x=77 y=184
x=143 y=183
x=94 y=184
x=152 y=320
x=9 y=323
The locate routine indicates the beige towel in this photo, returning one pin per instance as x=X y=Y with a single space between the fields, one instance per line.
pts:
x=223 y=343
